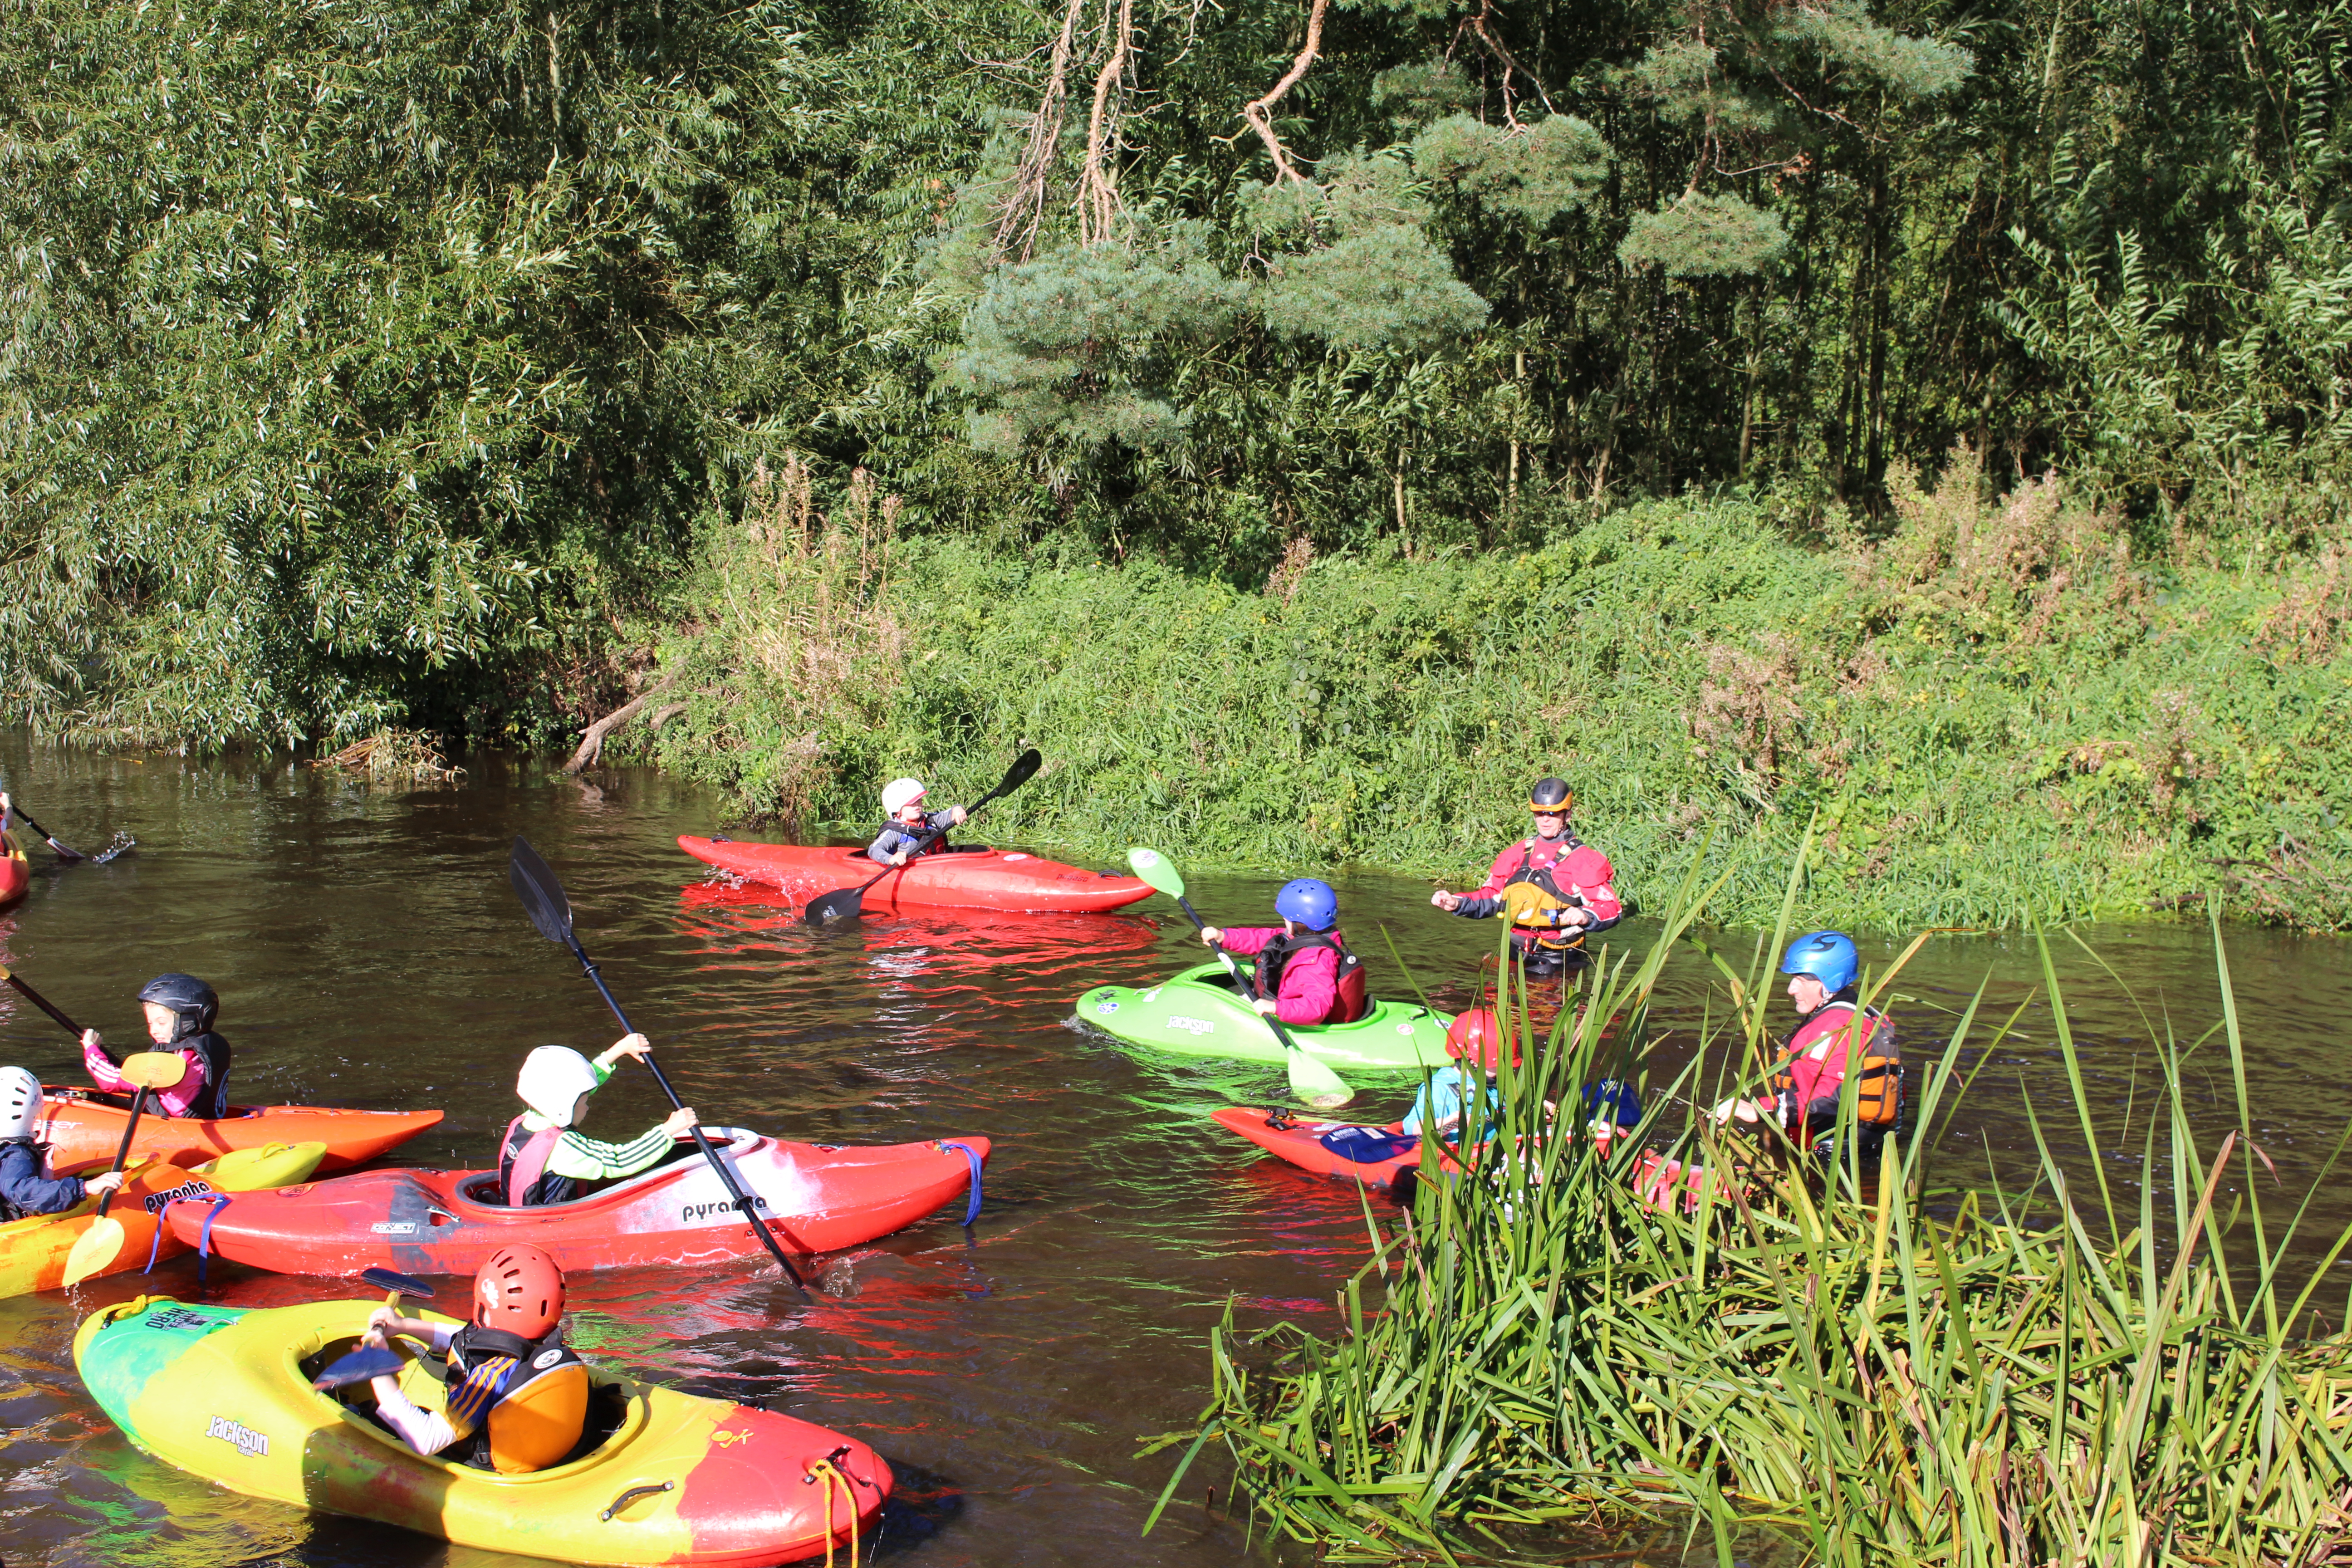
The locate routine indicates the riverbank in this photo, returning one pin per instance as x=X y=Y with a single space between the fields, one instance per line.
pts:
x=1997 y=709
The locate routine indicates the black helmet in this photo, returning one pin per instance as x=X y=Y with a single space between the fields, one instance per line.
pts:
x=1551 y=795
x=191 y=998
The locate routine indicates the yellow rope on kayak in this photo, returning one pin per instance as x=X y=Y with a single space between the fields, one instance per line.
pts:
x=825 y=1470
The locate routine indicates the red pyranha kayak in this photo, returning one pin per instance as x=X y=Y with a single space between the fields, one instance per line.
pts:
x=959 y=878
x=818 y=1197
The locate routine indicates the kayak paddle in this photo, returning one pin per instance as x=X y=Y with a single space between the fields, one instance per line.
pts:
x=849 y=903
x=43 y=1002
x=1310 y=1079
x=68 y=856
x=368 y=1362
x=550 y=911
x=97 y=1247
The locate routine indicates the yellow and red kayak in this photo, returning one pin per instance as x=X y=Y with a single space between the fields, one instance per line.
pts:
x=661 y=1476
x=81 y=1125
x=32 y=1252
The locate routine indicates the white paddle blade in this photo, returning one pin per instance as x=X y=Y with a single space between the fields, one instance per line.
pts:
x=1315 y=1083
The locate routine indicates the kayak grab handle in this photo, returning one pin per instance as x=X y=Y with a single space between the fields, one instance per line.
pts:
x=971 y=1210
x=632 y=1495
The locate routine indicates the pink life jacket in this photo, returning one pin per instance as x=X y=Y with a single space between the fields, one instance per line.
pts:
x=530 y=1161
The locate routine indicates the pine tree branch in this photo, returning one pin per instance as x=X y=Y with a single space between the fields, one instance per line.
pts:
x=1259 y=111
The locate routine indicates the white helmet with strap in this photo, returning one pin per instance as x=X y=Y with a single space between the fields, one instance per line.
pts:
x=20 y=1103
x=552 y=1079
x=900 y=793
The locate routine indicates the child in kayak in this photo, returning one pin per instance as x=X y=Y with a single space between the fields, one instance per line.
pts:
x=902 y=804
x=518 y=1395
x=544 y=1158
x=1305 y=973
x=25 y=1186
x=180 y=1011
x=1474 y=1036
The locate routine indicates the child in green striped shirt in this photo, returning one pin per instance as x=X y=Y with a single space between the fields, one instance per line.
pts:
x=544 y=1158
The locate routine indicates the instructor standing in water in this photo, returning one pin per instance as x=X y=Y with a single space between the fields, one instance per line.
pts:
x=1556 y=889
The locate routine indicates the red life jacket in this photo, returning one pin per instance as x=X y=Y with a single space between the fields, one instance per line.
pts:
x=1863 y=1050
x=1352 y=1000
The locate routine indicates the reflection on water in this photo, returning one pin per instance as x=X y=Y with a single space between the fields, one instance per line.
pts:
x=369 y=953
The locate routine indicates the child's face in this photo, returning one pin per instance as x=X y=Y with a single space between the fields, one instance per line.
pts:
x=912 y=812
x=161 y=1022
x=580 y=1110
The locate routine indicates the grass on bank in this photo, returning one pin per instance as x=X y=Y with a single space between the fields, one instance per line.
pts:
x=2067 y=1374
x=1998 y=709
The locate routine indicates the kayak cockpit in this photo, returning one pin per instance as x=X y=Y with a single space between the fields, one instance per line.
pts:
x=480 y=1190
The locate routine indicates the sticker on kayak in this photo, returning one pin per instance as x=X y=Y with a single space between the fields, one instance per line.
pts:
x=176 y=1318
x=1196 y=1026
x=695 y=1213
x=196 y=1187
x=394 y=1228
x=1405 y=1029
x=253 y=1445
x=1108 y=1004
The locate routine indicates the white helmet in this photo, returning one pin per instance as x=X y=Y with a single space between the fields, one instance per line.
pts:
x=552 y=1079
x=900 y=793
x=20 y=1103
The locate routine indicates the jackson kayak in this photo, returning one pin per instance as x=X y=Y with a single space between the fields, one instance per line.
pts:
x=1199 y=1013
x=819 y=1197
x=1387 y=1157
x=85 y=1124
x=33 y=1251
x=15 y=872
x=961 y=879
x=661 y=1476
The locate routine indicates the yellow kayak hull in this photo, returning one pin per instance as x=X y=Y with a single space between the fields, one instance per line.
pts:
x=675 y=1478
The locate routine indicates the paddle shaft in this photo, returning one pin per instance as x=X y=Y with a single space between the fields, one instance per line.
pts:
x=725 y=1171
x=122 y=1154
x=43 y=1002
x=63 y=853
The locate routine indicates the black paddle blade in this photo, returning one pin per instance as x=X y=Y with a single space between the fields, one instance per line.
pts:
x=1025 y=768
x=361 y=1364
x=542 y=895
x=406 y=1284
x=842 y=904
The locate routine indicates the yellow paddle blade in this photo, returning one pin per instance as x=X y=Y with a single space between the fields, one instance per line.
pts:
x=94 y=1251
x=153 y=1069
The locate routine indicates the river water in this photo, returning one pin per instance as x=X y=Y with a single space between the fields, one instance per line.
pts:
x=370 y=952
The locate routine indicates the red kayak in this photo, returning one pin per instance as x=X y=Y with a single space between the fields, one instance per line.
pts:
x=15 y=872
x=819 y=1197
x=959 y=878
x=1384 y=1156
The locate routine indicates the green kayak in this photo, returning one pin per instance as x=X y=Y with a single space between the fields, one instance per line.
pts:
x=1199 y=1013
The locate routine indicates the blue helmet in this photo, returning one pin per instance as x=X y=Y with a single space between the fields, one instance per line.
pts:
x=1614 y=1101
x=1311 y=903
x=1828 y=956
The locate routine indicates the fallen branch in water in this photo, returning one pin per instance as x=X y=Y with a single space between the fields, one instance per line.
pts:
x=592 y=744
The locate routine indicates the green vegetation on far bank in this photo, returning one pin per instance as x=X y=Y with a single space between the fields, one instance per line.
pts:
x=1995 y=709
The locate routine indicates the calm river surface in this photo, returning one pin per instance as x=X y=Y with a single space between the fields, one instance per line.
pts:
x=370 y=952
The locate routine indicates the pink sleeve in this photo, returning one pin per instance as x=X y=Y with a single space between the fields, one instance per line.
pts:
x=1309 y=986
x=101 y=1071
x=1248 y=941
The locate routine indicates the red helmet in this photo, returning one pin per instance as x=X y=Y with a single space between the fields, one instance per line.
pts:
x=520 y=1290
x=1477 y=1036
x=1589 y=867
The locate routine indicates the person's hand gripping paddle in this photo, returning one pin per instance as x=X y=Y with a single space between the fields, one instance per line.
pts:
x=550 y=911
x=375 y=1360
x=1310 y=1079
x=849 y=903
x=99 y=1246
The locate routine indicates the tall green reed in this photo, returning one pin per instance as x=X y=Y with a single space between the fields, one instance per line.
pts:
x=2069 y=1373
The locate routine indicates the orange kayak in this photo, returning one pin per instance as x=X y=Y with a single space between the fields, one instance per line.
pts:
x=15 y=872
x=84 y=1125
